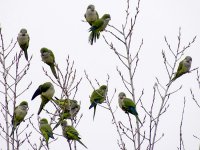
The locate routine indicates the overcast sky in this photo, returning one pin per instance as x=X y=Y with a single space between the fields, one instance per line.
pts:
x=58 y=26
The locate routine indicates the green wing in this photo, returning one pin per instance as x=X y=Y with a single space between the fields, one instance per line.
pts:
x=97 y=96
x=180 y=66
x=97 y=25
x=180 y=71
x=52 y=55
x=72 y=133
x=14 y=115
x=128 y=102
x=46 y=129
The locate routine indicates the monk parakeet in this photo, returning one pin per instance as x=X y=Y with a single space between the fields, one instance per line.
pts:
x=98 y=96
x=46 y=92
x=63 y=116
x=68 y=106
x=70 y=133
x=98 y=26
x=46 y=130
x=184 y=67
x=23 y=41
x=127 y=105
x=19 y=115
x=91 y=14
x=48 y=58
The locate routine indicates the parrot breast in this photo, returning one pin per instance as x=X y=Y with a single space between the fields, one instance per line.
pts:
x=49 y=93
x=22 y=40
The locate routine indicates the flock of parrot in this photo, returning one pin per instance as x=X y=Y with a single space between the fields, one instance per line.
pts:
x=69 y=108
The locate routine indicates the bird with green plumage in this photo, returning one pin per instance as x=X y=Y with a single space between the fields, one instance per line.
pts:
x=69 y=109
x=62 y=116
x=46 y=130
x=91 y=14
x=98 y=26
x=184 y=67
x=46 y=92
x=98 y=97
x=127 y=105
x=68 y=106
x=23 y=41
x=49 y=59
x=19 y=114
x=70 y=133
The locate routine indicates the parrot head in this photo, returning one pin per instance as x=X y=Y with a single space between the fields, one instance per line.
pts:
x=24 y=103
x=43 y=50
x=188 y=59
x=64 y=123
x=103 y=87
x=43 y=121
x=23 y=31
x=122 y=95
x=91 y=7
x=106 y=17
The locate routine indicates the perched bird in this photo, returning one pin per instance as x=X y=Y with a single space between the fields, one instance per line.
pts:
x=48 y=58
x=127 y=105
x=184 y=67
x=91 y=14
x=46 y=92
x=98 y=96
x=63 y=116
x=23 y=41
x=46 y=130
x=19 y=115
x=69 y=108
x=98 y=26
x=70 y=133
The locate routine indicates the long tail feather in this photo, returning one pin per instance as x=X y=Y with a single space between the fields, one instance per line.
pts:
x=40 y=109
x=93 y=105
x=138 y=119
x=26 y=54
x=82 y=144
x=47 y=144
x=43 y=103
x=173 y=79
x=93 y=37
x=94 y=111
x=54 y=71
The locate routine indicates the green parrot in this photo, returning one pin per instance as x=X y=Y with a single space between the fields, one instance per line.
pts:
x=98 y=97
x=127 y=105
x=70 y=133
x=23 y=41
x=19 y=115
x=69 y=108
x=91 y=14
x=46 y=130
x=48 y=58
x=46 y=92
x=63 y=116
x=184 y=67
x=98 y=26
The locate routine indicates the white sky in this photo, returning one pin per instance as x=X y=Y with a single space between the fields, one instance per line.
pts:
x=57 y=25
